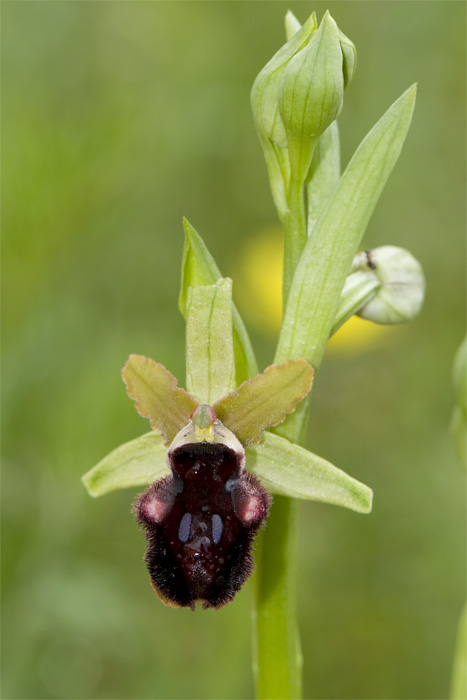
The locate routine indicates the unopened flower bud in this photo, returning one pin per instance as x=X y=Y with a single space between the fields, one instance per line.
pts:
x=265 y=107
x=400 y=296
x=311 y=94
x=265 y=91
x=349 y=52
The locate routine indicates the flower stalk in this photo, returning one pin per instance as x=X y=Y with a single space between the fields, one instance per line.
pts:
x=295 y=232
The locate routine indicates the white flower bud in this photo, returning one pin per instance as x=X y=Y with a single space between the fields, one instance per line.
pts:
x=402 y=291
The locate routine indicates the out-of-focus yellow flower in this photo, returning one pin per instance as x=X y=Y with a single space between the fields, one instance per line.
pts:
x=258 y=280
x=259 y=293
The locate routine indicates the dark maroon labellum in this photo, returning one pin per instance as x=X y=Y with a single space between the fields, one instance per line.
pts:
x=201 y=522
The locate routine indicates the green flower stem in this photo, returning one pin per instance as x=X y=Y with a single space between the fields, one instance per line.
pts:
x=277 y=654
x=318 y=281
x=278 y=666
x=277 y=649
x=295 y=232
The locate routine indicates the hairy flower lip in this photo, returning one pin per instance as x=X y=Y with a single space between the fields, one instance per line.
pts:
x=201 y=520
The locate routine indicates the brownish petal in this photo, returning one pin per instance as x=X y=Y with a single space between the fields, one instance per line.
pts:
x=265 y=400
x=157 y=395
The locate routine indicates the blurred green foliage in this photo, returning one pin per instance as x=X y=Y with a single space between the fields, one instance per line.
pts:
x=118 y=118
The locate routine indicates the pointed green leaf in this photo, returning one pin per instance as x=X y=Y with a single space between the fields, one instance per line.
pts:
x=326 y=260
x=135 y=463
x=210 y=361
x=289 y=470
x=157 y=396
x=265 y=400
x=199 y=268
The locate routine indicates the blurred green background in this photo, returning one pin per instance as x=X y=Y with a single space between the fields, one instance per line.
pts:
x=118 y=118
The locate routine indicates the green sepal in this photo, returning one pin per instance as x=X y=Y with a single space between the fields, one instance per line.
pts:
x=326 y=260
x=284 y=469
x=265 y=400
x=198 y=269
x=289 y=470
x=135 y=463
x=157 y=396
x=210 y=361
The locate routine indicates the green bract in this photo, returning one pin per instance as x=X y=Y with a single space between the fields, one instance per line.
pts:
x=323 y=176
x=199 y=269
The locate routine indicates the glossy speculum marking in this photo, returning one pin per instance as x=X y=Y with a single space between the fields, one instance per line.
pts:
x=201 y=521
